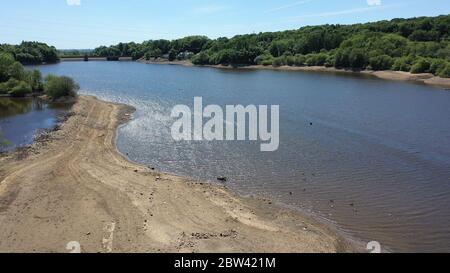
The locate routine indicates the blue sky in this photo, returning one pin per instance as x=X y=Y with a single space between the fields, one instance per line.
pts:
x=90 y=23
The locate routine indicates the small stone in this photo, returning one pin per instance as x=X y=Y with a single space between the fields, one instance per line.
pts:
x=222 y=178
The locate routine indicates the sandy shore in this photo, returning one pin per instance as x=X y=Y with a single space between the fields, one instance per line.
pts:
x=74 y=186
x=425 y=78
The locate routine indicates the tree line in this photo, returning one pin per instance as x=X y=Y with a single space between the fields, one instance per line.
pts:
x=16 y=81
x=415 y=45
x=175 y=49
x=31 y=52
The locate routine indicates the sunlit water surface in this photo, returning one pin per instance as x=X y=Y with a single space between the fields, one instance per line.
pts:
x=375 y=162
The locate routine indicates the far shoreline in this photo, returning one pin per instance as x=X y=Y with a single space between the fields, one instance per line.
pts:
x=422 y=78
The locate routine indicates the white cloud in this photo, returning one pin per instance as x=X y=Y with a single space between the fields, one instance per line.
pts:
x=73 y=2
x=374 y=2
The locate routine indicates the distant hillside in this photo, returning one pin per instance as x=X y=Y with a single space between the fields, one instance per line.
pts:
x=415 y=45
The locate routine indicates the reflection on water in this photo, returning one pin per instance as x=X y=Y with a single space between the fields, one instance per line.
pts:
x=14 y=106
x=376 y=160
x=20 y=118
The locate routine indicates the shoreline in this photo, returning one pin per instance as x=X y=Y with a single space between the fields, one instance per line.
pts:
x=94 y=59
x=423 y=78
x=75 y=186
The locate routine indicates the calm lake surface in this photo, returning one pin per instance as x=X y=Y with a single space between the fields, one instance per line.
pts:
x=375 y=162
x=22 y=118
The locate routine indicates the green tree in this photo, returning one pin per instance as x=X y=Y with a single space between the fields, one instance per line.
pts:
x=445 y=71
x=6 y=60
x=172 y=55
x=201 y=59
x=34 y=78
x=279 y=61
x=403 y=63
x=357 y=59
x=6 y=87
x=437 y=65
x=56 y=87
x=381 y=62
x=300 y=60
x=422 y=65
x=17 y=71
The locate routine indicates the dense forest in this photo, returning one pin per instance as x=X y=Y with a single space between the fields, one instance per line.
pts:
x=31 y=52
x=416 y=45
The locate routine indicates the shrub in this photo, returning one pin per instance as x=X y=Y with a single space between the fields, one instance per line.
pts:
x=201 y=59
x=437 y=66
x=330 y=61
x=172 y=55
x=381 y=62
x=357 y=59
x=316 y=59
x=403 y=64
x=299 y=60
x=3 y=89
x=9 y=85
x=267 y=62
x=290 y=60
x=278 y=61
x=17 y=71
x=6 y=60
x=445 y=71
x=21 y=90
x=261 y=59
x=34 y=78
x=421 y=65
x=341 y=59
x=57 y=87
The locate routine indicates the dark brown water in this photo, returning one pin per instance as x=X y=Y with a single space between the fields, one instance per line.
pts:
x=22 y=118
x=375 y=162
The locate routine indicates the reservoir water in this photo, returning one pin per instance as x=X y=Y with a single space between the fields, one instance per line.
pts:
x=22 y=118
x=375 y=161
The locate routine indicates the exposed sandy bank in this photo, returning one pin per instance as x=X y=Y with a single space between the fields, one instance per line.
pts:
x=74 y=186
x=425 y=78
